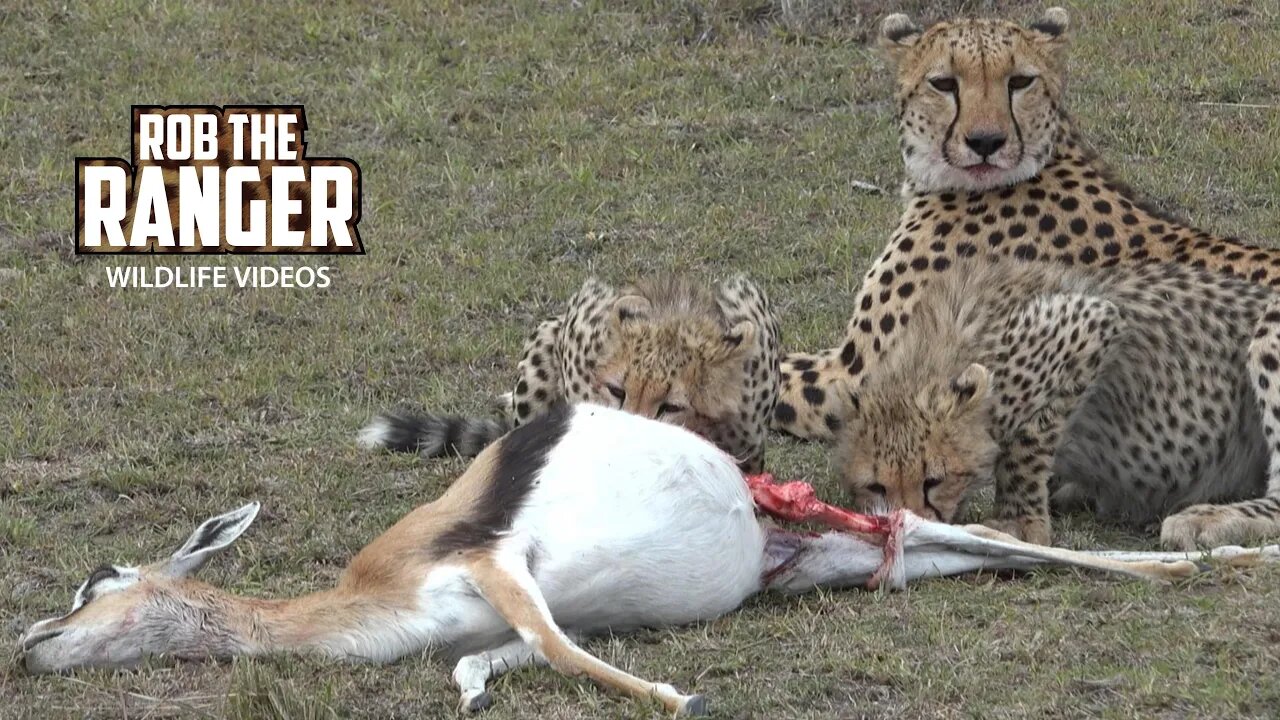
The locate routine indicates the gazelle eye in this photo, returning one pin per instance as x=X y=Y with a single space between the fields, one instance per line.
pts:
x=669 y=409
x=617 y=392
x=1021 y=82
x=944 y=84
x=876 y=488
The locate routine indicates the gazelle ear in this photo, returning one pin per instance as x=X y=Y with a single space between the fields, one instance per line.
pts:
x=213 y=535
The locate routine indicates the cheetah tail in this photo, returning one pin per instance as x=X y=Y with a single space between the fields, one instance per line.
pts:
x=431 y=435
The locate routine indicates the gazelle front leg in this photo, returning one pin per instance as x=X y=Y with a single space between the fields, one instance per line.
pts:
x=473 y=672
x=505 y=583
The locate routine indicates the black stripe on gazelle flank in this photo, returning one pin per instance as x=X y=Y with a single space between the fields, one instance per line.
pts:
x=521 y=455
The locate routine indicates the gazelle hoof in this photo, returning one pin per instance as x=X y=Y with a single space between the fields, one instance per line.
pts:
x=695 y=706
x=476 y=703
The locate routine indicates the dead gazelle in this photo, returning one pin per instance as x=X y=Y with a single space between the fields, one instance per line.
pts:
x=557 y=528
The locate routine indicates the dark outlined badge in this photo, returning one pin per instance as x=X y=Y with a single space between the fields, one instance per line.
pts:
x=204 y=179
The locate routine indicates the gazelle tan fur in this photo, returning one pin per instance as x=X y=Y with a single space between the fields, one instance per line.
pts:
x=589 y=519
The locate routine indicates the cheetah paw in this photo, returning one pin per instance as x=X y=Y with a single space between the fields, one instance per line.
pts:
x=1208 y=526
x=1027 y=529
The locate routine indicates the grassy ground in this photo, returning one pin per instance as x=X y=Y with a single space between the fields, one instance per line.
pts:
x=507 y=152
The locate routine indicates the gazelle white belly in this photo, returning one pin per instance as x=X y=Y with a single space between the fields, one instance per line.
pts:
x=638 y=523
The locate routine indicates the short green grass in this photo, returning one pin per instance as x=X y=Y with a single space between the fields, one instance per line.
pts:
x=509 y=149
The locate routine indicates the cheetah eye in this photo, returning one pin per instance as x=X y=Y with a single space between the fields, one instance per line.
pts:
x=617 y=392
x=1021 y=82
x=944 y=84
x=669 y=409
x=876 y=488
x=931 y=484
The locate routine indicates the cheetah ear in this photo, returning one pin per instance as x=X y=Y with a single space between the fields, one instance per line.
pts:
x=631 y=307
x=854 y=408
x=970 y=388
x=898 y=33
x=1053 y=23
x=1051 y=29
x=735 y=343
x=964 y=393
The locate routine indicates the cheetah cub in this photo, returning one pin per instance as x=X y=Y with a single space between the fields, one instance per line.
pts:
x=1141 y=391
x=664 y=348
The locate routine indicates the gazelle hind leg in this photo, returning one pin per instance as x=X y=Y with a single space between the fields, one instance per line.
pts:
x=837 y=560
x=977 y=538
x=1230 y=554
x=506 y=584
x=473 y=672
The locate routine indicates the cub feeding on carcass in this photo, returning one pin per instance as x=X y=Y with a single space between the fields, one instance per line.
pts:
x=664 y=348
x=1140 y=390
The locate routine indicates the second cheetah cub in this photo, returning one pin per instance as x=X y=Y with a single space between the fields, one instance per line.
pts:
x=1141 y=391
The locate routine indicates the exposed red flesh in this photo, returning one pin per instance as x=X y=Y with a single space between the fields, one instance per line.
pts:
x=796 y=501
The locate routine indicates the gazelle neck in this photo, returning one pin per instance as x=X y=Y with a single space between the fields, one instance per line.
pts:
x=202 y=621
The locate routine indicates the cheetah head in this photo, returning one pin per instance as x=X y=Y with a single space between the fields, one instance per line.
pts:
x=978 y=101
x=684 y=369
x=922 y=452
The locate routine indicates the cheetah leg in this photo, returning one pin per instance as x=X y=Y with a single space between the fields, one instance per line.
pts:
x=741 y=300
x=1212 y=525
x=1078 y=327
x=810 y=402
x=816 y=387
x=538 y=386
x=1022 y=482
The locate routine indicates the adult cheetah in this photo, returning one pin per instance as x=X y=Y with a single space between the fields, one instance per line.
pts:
x=663 y=348
x=1140 y=391
x=994 y=167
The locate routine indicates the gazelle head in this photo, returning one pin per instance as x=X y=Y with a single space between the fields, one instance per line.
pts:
x=122 y=614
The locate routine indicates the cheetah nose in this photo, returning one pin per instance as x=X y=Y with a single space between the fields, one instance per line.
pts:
x=985 y=143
